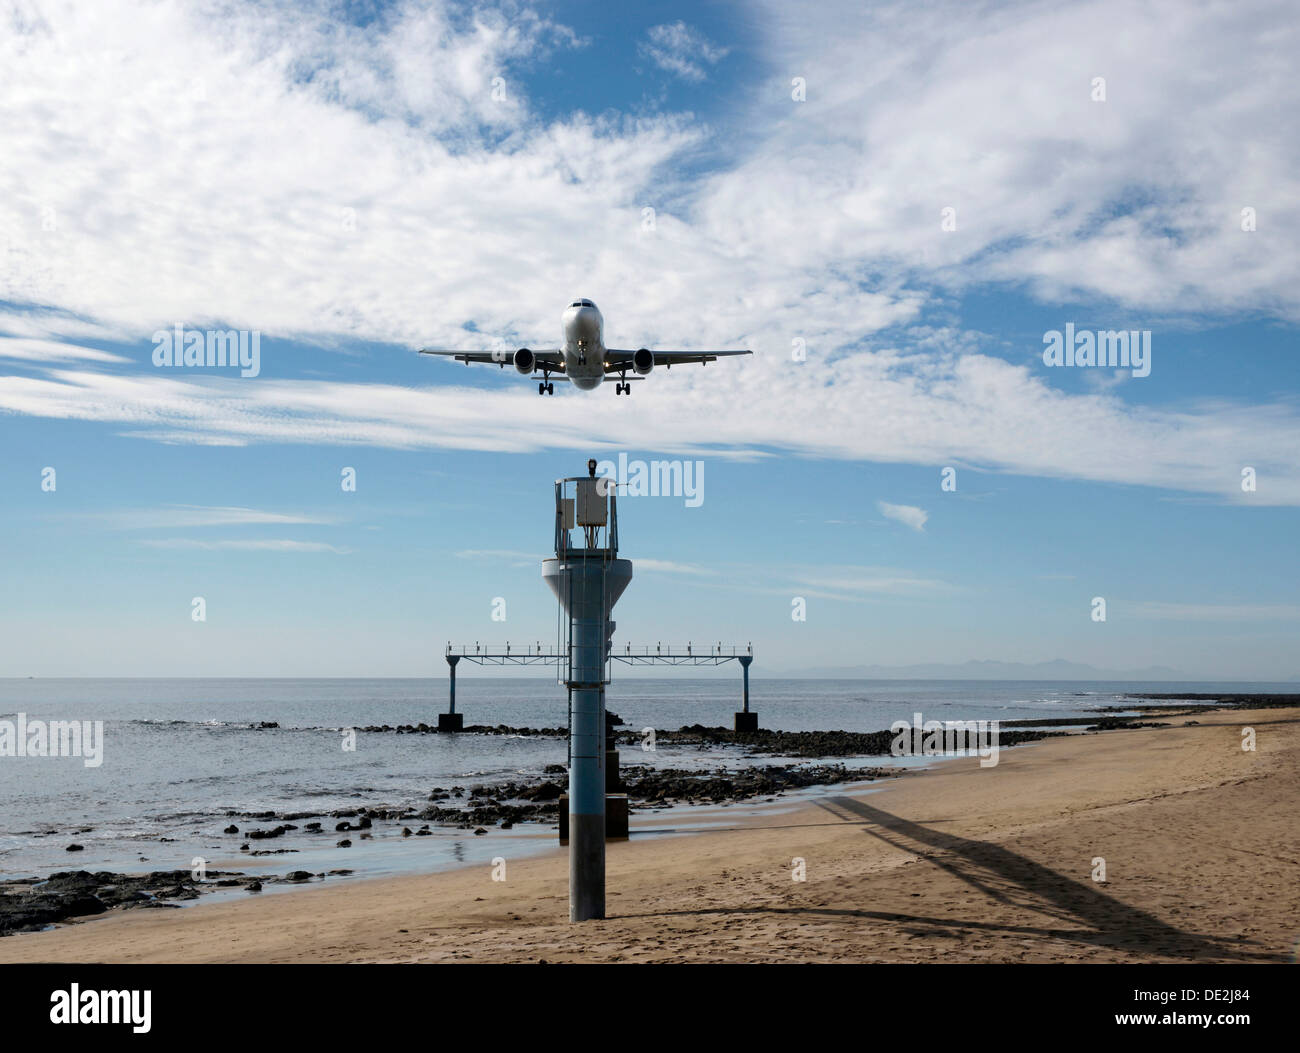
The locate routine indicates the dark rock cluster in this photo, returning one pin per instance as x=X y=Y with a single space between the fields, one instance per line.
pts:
x=26 y=906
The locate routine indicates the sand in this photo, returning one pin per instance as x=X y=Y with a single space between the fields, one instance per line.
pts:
x=957 y=863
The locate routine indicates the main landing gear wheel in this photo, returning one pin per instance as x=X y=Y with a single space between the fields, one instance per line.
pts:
x=623 y=389
x=550 y=389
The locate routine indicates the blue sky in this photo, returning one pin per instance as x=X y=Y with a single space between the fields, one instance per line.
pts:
x=349 y=182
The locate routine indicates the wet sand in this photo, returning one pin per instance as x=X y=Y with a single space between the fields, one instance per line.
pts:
x=958 y=863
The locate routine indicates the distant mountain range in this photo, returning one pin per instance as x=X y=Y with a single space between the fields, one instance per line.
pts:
x=1057 y=669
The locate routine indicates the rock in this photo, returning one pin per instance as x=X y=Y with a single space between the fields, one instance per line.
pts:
x=547 y=791
x=178 y=892
x=297 y=875
x=253 y=886
x=479 y=830
x=231 y=829
x=75 y=848
x=406 y=831
x=341 y=827
x=345 y=843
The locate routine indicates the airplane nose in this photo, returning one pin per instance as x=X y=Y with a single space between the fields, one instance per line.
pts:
x=586 y=322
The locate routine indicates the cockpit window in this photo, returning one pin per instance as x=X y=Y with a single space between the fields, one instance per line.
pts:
x=577 y=303
x=587 y=303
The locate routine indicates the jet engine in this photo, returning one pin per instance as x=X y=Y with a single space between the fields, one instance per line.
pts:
x=525 y=360
x=643 y=361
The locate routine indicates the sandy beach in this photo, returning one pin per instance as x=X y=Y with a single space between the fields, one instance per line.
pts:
x=957 y=863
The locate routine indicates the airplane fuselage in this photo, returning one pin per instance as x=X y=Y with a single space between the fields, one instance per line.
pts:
x=584 y=345
x=582 y=359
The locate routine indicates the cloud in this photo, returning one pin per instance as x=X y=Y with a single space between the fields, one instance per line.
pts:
x=517 y=558
x=667 y=566
x=259 y=545
x=408 y=198
x=53 y=350
x=513 y=557
x=989 y=110
x=908 y=515
x=175 y=517
x=888 y=407
x=866 y=582
x=1218 y=612
x=681 y=50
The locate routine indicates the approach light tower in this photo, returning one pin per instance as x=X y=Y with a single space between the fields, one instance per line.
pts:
x=587 y=578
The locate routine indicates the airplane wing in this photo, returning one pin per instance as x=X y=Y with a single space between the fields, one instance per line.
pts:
x=621 y=357
x=553 y=357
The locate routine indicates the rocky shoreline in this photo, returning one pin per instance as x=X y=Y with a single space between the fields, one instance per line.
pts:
x=31 y=904
x=806 y=744
x=28 y=904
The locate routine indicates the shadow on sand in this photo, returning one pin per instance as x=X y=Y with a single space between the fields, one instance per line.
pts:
x=1086 y=915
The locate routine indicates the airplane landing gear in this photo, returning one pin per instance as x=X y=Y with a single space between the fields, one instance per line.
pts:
x=546 y=387
x=623 y=387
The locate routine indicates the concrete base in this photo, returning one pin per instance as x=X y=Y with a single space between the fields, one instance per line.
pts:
x=586 y=870
x=616 y=813
x=451 y=721
x=616 y=809
x=747 y=721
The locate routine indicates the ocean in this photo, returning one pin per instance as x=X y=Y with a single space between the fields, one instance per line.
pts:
x=178 y=755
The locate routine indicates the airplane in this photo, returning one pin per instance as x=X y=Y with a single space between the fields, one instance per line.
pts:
x=584 y=360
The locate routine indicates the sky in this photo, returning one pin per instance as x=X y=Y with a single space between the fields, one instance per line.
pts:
x=894 y=205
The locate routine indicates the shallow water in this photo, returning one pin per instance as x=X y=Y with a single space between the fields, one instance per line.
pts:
x=180 y=754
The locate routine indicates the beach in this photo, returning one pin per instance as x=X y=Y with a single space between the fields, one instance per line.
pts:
x=958 y=863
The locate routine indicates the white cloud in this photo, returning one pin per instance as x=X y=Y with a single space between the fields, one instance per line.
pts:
x=866 y=582
x=908 y=515
x=258 y=545
x=1218 y=612
x=890 y=408
x=682 y=50
x=667 y=566
x=517 y=558
x=497 y=553
x=175 y=517
x=342 y=183
x=53 y=350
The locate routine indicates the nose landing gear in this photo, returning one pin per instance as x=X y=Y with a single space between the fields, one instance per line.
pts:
x=623 y=387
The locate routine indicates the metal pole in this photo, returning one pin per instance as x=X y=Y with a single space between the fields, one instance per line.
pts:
x=587 y=767
x=744 y=665
x=452 y=659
